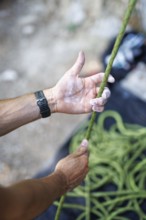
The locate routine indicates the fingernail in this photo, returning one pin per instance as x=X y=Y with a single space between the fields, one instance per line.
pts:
x=84 y=143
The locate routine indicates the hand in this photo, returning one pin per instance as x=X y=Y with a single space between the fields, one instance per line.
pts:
x=75 y=166
x=75 y=95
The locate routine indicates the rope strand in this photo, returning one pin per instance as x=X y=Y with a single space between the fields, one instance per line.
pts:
x=119 y=38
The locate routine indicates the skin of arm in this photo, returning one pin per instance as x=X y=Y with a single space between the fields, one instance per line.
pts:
x=72 y=95
x=20 y=111
x=27 y=199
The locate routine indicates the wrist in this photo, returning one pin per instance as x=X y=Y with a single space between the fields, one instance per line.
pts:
x=59 y=182
x=62 y=180
x=50 y=96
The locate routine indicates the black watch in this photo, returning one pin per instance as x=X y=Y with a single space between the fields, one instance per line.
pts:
x=43 y=104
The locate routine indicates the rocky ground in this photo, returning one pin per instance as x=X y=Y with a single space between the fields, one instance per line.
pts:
x=39 y=41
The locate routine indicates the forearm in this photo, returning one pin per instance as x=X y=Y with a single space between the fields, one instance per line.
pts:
x=29 y=198
x=20 y=111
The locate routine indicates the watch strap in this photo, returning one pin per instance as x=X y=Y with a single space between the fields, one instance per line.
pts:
x=42 y=104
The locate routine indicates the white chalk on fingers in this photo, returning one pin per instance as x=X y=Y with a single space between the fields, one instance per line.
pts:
x=97 y=108
x=84 y=143
x=111 y=79
x=98 y=101
x=106 y=93
x=94 y=101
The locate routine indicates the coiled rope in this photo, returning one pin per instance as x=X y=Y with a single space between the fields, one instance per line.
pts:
x=117 y=171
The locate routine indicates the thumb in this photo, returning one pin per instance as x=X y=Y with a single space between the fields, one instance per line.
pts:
x=78 y=65
x=83 y=148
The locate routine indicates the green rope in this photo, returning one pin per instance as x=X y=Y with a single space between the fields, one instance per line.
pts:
x=126 y=18
x=59 y=207
x=103 y=84
x=119 y=160
x=113 y=55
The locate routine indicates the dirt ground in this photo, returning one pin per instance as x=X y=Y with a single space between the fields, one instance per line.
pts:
x=39 y=41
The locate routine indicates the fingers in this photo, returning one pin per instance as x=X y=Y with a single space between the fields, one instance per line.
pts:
x=97 y=78
x=83 y=149
x=75 y=166
x=98 y=103
x=106 y=93
x=77 y=67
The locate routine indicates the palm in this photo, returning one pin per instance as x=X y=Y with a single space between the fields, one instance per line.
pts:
x=76 y=93
x=73 y=93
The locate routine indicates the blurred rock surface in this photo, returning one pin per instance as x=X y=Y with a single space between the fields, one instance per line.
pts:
x=40 y=40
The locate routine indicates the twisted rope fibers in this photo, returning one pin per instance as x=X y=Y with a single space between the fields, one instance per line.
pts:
x=126 y=18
